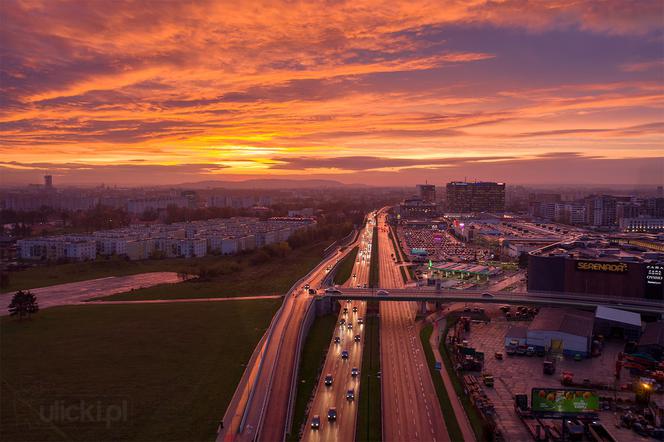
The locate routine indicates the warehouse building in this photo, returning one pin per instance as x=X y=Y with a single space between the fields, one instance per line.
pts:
x=611 y=322
x=563 y=331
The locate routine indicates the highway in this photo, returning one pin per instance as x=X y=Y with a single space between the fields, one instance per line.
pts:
x=258 y=409
x=411 y=411
x=343 y=429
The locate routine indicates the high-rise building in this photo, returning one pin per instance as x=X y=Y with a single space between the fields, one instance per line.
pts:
x=601 y=210
x=464 y=197
x=48 y=181
x=427 y=192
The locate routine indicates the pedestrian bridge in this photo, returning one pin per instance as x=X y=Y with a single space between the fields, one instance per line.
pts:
x=421 y=294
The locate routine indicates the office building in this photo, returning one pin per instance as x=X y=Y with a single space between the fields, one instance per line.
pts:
x=465 y=197
x=427 y=192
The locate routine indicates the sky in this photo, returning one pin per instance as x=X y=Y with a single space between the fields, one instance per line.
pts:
x=382 y=93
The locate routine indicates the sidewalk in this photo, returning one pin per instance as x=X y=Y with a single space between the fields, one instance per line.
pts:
x=459 y=411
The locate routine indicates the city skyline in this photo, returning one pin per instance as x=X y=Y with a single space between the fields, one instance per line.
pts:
x=362 y=92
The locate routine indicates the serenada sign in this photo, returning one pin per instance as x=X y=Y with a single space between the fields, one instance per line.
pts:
x=594 y=266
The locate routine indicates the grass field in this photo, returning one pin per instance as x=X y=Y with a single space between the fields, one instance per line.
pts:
x=231 y=269
x=445 y=405
x=403 y=275
x=171 y=369
x=346 y=267
x=311 y=363
x=374 y=269
x=273 y=277
x=369 y=426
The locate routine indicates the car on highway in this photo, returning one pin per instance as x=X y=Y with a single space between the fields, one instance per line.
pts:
x=306 y=286
x=313 y=292
x=382 y=293
x=487 y=295
x=350 y=394
x=354 y=371
x=345 y=311
x=333 y=290
x=354 y=275
x=315 y=422
x=354 y=309
x=357 y=338
x=350 y=326
x=332 y=414
x=344 y=354
x=337 y=339
x=329 y=379
x=360 y=321
x=342 y=321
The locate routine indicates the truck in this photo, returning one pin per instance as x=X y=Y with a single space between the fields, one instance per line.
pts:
x=549 y=367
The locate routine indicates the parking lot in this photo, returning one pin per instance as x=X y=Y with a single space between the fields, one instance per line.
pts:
x=519 y=374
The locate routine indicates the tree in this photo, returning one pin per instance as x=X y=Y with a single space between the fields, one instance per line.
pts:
x=23 y=304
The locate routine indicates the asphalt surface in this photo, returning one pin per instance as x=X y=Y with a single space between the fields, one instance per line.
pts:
x=411 y=411
x=343 y=429
x=274 y=365
x=75 y=292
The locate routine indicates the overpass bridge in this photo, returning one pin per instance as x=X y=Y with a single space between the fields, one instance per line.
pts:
x=483 y=296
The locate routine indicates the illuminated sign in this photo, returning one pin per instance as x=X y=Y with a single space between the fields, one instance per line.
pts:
x=562 y=401
x=597 y=266
x=654 y=274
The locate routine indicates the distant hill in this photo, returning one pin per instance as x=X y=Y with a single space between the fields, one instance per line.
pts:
x=269 y=183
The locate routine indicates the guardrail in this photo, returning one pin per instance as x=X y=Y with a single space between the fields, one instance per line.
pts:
x=298 y=354
x=287 y=297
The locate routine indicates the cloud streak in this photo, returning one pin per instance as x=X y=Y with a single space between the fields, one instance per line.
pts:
x=277 y=87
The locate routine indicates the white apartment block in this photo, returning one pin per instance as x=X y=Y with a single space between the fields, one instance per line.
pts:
x=190 y=239
x=78 y=248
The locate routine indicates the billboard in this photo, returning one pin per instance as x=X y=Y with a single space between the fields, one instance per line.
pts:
x=564 y=401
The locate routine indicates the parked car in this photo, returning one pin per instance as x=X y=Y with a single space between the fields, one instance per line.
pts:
x=530 y=351
x=499 y=355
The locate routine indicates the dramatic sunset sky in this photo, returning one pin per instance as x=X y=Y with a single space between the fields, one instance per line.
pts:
x=154 y=92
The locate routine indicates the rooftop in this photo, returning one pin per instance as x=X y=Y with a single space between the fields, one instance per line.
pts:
x=574 y=322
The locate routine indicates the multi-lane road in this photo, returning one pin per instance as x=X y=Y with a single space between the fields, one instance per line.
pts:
x=335 y=395
x=258 y=409
x=411 y=411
